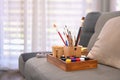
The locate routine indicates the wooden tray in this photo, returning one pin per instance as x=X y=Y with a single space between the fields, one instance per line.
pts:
x=81 y=65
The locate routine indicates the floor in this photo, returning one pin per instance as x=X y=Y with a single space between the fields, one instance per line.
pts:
x=11 y=75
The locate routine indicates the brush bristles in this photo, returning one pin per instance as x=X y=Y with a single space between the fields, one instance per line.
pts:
x=54 y=26
x=82 y=20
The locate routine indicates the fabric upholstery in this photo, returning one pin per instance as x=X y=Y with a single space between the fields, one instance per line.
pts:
x=26 y=56
x=99 y=24
x=44 y=70
x=88 y=27
x=23 y=58
x=21 y=65
x=106 y=49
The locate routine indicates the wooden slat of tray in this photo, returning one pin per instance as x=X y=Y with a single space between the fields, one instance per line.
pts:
x=73 y=65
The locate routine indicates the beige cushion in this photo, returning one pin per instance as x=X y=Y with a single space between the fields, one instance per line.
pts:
x=107 y=47
x=99 y=25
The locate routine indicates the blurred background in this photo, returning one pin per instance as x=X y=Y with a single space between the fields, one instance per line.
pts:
x=27 y=25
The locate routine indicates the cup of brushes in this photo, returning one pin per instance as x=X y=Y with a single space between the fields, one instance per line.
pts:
x=58 y=51
x=72 y=51
x=69 y=49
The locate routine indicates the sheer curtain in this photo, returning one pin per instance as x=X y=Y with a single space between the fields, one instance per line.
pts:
x=115 y=5
x=11 y=32
x=27 y=25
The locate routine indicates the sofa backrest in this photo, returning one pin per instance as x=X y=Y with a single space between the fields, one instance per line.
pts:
x=88 y=27
x=99 y=24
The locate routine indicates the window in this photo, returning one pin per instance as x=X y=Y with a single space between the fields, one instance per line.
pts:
x=27 y=25
x=11 y=31
x=45 y=13
x=61 y=13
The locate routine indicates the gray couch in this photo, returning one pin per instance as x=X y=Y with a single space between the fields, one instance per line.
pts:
x=34 y=68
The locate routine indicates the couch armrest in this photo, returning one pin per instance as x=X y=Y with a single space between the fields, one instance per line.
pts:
x=26 y=56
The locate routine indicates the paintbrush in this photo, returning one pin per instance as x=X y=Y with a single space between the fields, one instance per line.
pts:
x=59 y=34
x=79 y=32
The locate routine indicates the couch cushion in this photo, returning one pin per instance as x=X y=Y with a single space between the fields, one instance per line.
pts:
x=100 y=23
x=27 y=56
x=40 y=69
x=107 y=47
x=88 y=27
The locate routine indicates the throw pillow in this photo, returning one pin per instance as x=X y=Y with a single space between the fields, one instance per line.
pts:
x=99 y=25
x=107 y=47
